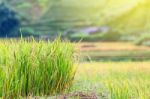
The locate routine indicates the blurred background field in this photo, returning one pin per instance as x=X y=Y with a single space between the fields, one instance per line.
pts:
x=112 y=51
x=111 y=80
x=111 y=38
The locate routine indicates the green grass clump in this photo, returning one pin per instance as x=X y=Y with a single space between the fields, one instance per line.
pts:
x=35 y=68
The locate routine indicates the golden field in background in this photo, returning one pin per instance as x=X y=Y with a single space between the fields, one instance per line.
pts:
x=114 y=80
x=107 y=46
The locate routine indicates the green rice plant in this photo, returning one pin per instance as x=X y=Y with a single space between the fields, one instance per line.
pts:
x=32 y=68
x=119 y=90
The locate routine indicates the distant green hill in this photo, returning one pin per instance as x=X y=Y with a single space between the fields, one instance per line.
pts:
x=46 y=16
x=67 y=14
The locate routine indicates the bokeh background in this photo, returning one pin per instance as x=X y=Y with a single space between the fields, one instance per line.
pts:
x=89 y=20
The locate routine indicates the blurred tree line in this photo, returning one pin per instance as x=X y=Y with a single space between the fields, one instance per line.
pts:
x=8 y=21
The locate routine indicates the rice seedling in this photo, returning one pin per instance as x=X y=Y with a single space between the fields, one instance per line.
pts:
x=35 y=68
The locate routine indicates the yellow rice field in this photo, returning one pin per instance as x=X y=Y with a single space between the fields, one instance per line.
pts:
x=115 y=80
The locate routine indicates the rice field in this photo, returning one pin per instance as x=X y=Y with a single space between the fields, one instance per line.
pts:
x=114 y=80
x=107 y=46
x=39 y=68
x=112 y=51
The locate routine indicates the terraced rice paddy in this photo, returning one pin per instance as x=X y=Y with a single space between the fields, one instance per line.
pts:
x=113 y=51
